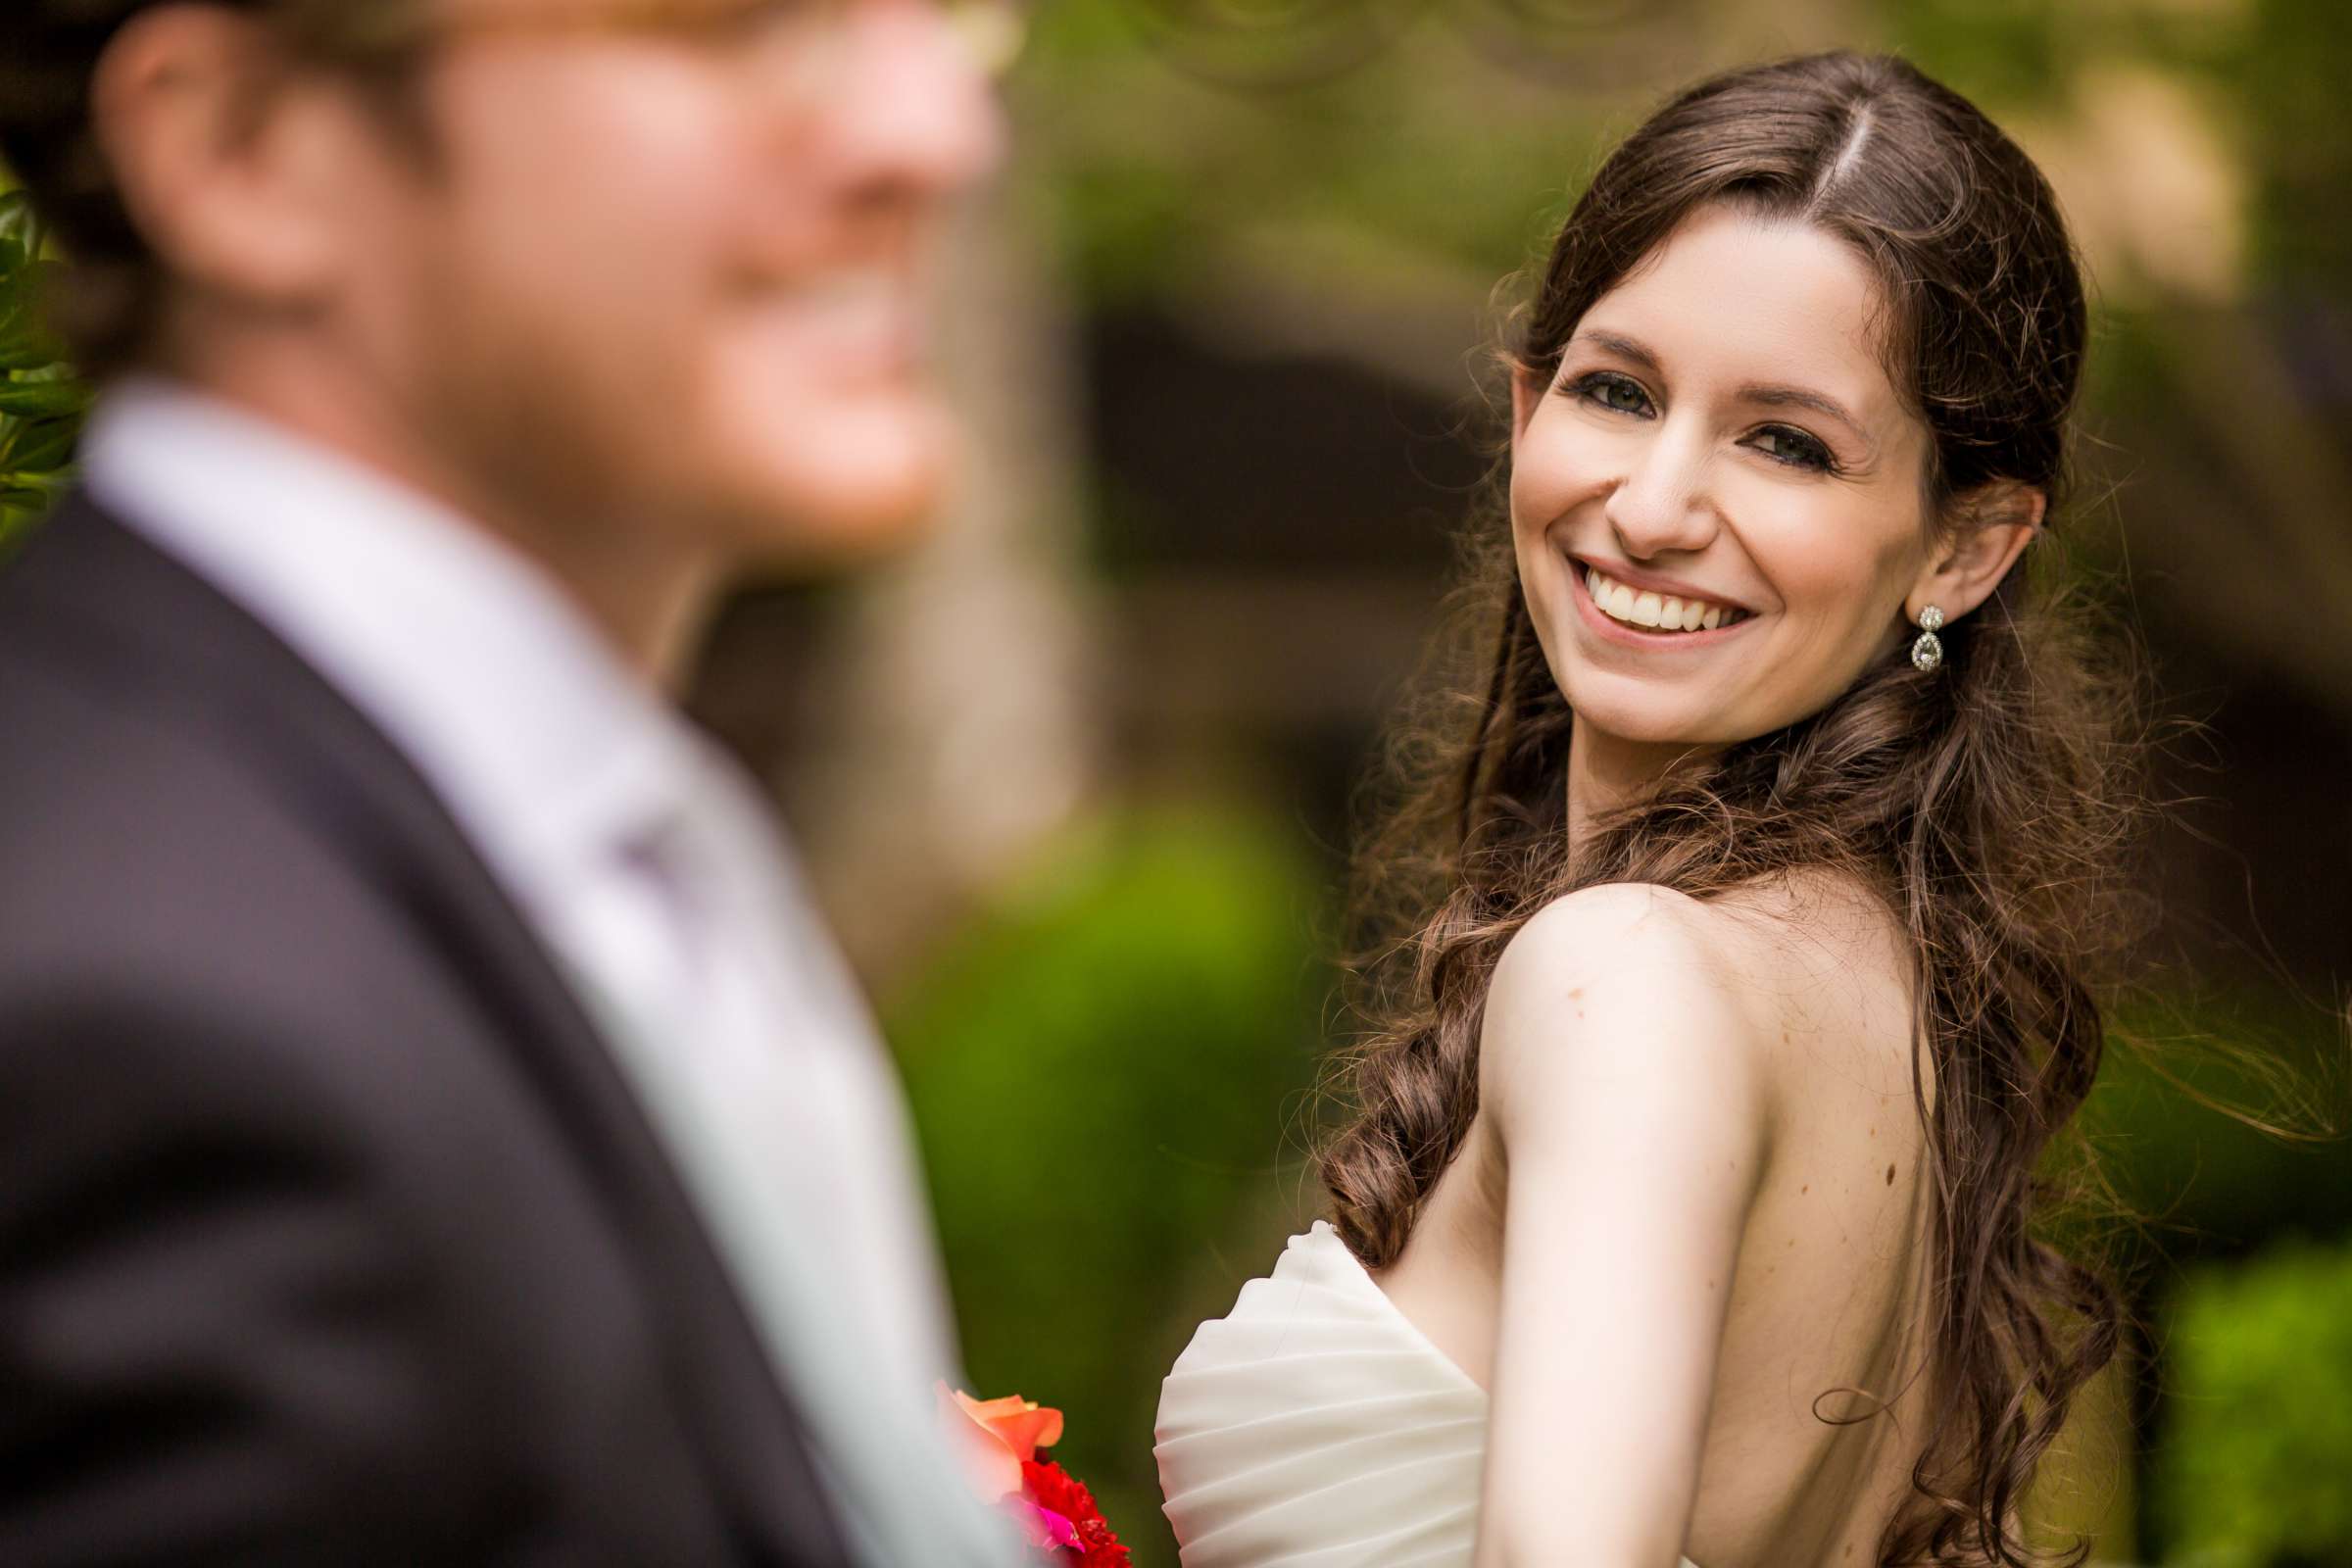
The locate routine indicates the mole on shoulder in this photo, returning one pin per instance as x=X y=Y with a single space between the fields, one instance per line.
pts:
x=1891 y=1175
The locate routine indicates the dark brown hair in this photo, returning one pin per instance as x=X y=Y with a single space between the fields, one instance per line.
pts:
x=108 y=302
x=1986 y=804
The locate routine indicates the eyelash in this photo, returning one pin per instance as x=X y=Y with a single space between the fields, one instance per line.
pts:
x=1813 y=457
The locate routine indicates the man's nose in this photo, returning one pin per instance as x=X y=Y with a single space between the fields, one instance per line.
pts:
x=915 y=107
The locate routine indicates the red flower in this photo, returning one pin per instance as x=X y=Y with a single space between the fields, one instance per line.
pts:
x=1052 y=1487
x=1056 y=1514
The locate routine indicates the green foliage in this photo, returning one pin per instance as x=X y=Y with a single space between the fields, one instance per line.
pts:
x=1163 y=179
x=2253 y=1468
x=2288 y=85
x=1436 y=150
x=2199 y=1191
x=1101 y=1070
x=1161 y=182
x=2192 y=1177
x=41 y=402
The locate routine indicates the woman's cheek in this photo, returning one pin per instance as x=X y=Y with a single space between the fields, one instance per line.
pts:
x=1553 y=483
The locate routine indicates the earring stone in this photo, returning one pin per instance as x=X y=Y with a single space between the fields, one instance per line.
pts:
x=1926 y=650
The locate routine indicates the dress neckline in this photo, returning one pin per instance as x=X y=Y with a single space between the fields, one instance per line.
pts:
x=1323 y=1237
x=1325 y=1240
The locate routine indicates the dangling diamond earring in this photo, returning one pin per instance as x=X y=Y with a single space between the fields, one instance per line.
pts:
x=1927 y=652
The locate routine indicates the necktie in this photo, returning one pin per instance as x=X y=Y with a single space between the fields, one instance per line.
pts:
x=744 y=1042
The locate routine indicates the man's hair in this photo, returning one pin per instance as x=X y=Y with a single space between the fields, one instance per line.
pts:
x=110 y=299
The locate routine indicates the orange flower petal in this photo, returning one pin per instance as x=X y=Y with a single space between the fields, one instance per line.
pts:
x=1024 y=1426
x=992 y=1466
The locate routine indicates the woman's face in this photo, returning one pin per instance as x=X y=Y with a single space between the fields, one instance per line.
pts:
x=1717 y=504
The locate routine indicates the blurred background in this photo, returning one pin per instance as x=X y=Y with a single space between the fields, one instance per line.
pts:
x=1075 y=780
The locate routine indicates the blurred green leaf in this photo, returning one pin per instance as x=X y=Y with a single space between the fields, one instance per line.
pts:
x=25 y=342
x=19 y=231
x=42 y=400
x=37 y=445
x=2258 y=1443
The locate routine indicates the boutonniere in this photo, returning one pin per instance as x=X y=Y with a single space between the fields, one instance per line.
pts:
x=998 y=1440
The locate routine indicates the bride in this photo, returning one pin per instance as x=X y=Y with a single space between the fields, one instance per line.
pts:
x=1687 y=1201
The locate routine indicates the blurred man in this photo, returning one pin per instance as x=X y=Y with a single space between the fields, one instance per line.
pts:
x=434 y=1129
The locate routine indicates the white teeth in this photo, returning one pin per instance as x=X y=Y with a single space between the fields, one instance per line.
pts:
x=1665 y=612
x=1614 y=598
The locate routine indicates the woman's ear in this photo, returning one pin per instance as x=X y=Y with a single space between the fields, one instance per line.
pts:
x=1992 y=526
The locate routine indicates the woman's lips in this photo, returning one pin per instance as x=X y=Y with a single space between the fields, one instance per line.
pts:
x=1644 y=603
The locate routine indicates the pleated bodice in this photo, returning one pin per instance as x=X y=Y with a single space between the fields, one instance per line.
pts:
x=1315 y=1427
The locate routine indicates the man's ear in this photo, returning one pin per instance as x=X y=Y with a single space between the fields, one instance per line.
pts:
x=214 y=144
x=1993 y=525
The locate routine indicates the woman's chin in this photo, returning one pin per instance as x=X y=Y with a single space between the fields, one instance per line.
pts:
x=1650 y=727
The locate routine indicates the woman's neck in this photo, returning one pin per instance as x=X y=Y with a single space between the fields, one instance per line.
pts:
x=1606 y=771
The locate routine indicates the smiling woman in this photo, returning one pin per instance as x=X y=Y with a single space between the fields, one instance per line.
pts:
x=1722 y=436
x=1730 y=968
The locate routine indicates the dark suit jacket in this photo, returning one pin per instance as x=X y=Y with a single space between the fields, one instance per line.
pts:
x=328 y=1231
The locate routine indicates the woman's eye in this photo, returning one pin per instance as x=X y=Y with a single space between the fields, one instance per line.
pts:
x=1792 y=447
x=1618 y=394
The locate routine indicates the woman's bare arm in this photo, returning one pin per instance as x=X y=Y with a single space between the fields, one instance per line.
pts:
x=1630 y=1092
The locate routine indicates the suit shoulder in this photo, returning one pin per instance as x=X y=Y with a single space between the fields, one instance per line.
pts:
x=125 y=814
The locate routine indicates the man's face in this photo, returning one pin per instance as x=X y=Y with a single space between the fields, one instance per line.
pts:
x=667 y=284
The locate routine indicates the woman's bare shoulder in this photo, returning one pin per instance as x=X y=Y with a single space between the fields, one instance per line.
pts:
x=1788 y=963
x=1613 y=964
x=1753 y=942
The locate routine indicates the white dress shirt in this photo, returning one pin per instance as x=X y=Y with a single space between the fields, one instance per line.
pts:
x=641 y=856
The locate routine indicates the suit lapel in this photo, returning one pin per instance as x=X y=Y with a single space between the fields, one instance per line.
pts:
x=144 y=617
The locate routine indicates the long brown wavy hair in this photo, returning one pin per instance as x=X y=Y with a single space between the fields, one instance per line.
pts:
x=1988 y=803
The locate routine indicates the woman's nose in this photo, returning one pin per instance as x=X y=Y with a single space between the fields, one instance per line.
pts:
x=1664 y=502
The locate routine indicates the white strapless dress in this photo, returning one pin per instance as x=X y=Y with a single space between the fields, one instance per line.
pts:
x=1314 y=1427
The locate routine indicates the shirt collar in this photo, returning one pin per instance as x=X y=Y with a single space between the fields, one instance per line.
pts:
x=470 y=656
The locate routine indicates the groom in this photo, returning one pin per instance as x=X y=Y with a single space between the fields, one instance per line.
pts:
x=434 y=1129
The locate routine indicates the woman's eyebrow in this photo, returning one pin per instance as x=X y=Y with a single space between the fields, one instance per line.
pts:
x=1773 y=396
x=1625 y=348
